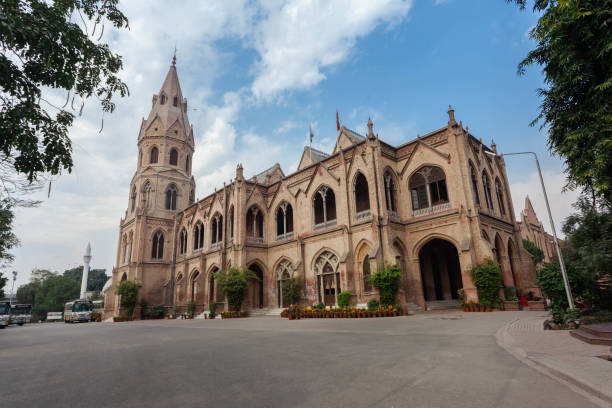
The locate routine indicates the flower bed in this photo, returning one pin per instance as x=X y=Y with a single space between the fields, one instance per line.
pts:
x=121 y=319
x=295 y=312
x=233 y=314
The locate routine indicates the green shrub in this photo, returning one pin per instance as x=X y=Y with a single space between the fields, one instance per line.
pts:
x=536 y=253
x=143 y=309
x=212 y=309
x=373 y=304
x=487 y=278
x=292 y=291
x=319 y=306
x=510 y=293
x=387 y=280
x=128 y=291
x=157 y=312
x=234 y=283
x=191 y=307
x=344 y=299
x=550 y=280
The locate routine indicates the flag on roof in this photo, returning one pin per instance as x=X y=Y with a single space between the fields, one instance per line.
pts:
x=337 y=121
x=311 y=134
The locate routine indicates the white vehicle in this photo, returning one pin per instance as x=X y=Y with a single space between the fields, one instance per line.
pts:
x=21 y=314
x=5 y=314
x=55 y=317
x=79 y=310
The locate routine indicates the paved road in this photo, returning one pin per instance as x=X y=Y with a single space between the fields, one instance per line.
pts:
x=429 y=360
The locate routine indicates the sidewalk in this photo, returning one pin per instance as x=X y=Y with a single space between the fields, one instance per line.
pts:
x=559 y=355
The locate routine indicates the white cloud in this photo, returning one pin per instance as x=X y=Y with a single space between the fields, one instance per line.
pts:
x=560 y=202
x=298 y=39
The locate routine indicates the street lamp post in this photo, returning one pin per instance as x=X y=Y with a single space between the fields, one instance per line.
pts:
x=13 y=287
x=568 y=290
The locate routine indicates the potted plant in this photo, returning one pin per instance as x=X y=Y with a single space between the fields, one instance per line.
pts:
x=511 y=301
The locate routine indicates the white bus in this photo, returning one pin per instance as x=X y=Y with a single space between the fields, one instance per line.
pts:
x=79 y=310
x=21 y=314
x=5 y=314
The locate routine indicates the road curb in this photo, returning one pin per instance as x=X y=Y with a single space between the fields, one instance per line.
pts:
x=575 y=384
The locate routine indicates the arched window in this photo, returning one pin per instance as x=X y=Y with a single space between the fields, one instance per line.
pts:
x=133 y=203
x=284 y=221
x=328 y=278
x=254 y=226
x=486 y=184
x=428 y=189
x=154 y=154
x=198 y=236
x=390 y=193
x=324 y=204
x=191 y=196
x=124 y=247
x=187 y=163
x=283 y=274
x=216 y=230
x=194 y=285
x=175 y=101
x=500 y=196
x=146 y=193
x=157 y=250
x=162 y=99
x=173 y=157
x=367 y=285
x=130 y=245
x=140 y=158
x=474 y=185
x=231 y=225
x=362 y=197
x=171 y=197
x=183 y=242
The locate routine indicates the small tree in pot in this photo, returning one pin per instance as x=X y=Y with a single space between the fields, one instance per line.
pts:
x=234 y=283
x=387 y=280
x=292 y=289
x=128 y=291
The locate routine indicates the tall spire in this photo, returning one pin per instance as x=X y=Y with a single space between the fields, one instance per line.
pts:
x=169 y=105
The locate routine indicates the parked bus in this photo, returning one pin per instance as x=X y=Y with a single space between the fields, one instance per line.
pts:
x=98 y=310
x=5 y=314
x=79 y=310
x=21 y=314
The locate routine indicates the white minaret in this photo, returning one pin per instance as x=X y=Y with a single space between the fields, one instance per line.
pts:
x=86 y=260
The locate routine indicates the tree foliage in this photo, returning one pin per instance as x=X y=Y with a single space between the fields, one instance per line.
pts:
x=128 y=291
x=52 y=294
x=234 y=283
x=574 y=48
x=95 y=279
x=487 y=278
x=536 y=253
x=8 y=239
x=292 y=290
x=3 y=281
x=387 y=280
x=53 y=46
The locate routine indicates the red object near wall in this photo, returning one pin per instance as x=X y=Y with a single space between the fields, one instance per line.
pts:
x=523 y=300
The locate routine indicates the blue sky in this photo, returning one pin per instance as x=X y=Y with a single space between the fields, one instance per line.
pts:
x=256 y=74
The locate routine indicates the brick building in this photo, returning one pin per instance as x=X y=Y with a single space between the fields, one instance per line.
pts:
x=435 y=205
x=532 y=229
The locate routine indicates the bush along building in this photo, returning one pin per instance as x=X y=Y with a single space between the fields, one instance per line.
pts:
x=436 y=205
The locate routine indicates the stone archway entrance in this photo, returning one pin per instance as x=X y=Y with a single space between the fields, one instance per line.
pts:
x=440 y=270
x=256 y=291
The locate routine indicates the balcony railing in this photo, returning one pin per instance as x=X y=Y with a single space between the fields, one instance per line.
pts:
x=393 y=214
x=215 y=245
x=431 y=210
x=255 y=240
x=363 y=214
x=284 y=236
x=324 y=224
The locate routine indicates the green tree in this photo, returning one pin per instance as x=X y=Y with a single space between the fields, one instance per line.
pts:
x=54 y=291
x=53 y=44
x=574 y=49
x=536 y=253
x=95 y=279
x=3 y=281
x=487 y=278
x=387 y=280
x=589 y=247
x=128 y=291
x=292 y=291
x=27 y=293
x=8 y=239
x=234 y=283
x=551 y=282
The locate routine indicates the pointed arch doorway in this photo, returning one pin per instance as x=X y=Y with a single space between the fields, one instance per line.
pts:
x=440 y=270
x=256 y=288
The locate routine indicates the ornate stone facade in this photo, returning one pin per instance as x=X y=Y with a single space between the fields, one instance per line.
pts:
x=532 y=229
x=436 y=205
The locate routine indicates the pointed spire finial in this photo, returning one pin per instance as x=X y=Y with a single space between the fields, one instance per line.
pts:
x=370 y=126
x=451 y=116
x=174 y=56
x=493 y=146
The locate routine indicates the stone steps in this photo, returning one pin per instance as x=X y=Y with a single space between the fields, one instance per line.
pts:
x=443 y=304
x=594 y=334
x=266 y=312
